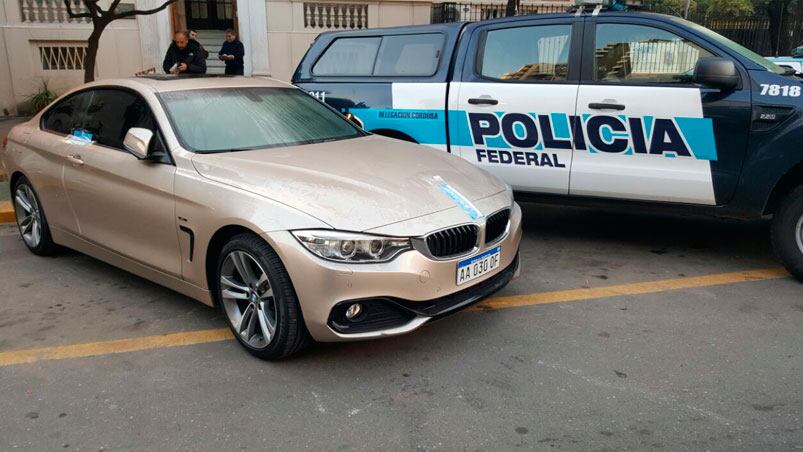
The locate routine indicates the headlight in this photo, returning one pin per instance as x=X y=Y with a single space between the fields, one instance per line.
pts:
x=351 y=246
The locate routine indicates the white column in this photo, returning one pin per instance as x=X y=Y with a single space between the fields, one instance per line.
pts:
x=154 y=34
x=253 y=25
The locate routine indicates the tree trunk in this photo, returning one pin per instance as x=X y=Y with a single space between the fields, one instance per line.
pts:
x=511 y=8
x=92 y=50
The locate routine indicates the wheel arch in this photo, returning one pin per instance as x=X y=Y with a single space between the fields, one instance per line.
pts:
x=15 y=176
x=788 y=182
x=213 y=249
x=391 y=133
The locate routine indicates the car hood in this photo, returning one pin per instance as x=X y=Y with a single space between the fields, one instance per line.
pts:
x=354 y=184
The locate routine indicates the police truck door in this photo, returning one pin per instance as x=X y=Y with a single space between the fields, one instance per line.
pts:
x=649 y=132
x=511 y=108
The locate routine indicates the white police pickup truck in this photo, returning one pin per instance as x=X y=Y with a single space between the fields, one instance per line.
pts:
x=622 y=107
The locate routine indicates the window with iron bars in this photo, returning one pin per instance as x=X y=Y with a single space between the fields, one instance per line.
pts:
x=57 y=57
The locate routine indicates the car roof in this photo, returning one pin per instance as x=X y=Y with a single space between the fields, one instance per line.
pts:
x=391 y=30
x=163 y=83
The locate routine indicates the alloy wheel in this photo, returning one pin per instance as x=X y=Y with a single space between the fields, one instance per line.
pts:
x=248 y=299
x=29 y=216
x=799 y=233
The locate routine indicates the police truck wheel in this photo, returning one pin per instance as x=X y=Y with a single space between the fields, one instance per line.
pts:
x=256 y=295
x=787 y=232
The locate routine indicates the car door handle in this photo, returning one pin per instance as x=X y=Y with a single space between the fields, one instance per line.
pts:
x=605 y=106
x=482 y=101
x=75 y=159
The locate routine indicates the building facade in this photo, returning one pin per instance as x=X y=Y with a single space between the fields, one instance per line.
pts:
x=39 y=42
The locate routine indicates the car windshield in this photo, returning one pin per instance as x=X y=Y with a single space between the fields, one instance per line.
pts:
x=233 y=119
x=741 y=50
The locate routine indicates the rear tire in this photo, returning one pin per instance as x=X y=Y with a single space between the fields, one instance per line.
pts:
x=787 y=232
x=31 y=219
x=257 y=297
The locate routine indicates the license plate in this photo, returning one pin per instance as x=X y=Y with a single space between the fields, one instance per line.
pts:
x=474 y=267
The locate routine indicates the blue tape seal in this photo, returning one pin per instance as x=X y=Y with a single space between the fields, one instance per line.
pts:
x=460 y=200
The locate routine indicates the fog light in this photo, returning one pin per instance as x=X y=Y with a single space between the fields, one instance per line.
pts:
x=353 y=312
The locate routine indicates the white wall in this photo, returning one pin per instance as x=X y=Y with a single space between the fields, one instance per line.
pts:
x=119 y=54
x=288 y=39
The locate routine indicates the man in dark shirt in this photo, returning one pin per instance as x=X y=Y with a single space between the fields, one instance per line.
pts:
x=232 y=53
x=184 y=56
x=194 y=38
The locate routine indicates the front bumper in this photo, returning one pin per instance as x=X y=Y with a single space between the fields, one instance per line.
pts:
x=419 y=288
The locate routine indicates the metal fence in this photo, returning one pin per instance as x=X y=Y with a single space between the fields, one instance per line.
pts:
x=752 y=32
x=470 y=12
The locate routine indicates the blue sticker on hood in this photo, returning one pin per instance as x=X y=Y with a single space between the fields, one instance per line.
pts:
x=460 y=200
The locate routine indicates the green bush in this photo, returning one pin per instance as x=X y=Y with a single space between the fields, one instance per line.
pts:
x=41 y=98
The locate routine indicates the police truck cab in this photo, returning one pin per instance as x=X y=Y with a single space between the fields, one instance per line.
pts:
x=621 y=107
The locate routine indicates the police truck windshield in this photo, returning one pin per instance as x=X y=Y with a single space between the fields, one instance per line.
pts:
x=233 y=119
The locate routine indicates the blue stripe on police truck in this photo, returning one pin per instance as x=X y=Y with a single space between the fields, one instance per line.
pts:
x=676 y=137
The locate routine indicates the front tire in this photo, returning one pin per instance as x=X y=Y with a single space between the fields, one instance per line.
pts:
x=31 y=219
x=255 y=293
x=787 y=232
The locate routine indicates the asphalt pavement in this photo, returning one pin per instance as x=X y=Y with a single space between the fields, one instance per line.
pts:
x=557 y=360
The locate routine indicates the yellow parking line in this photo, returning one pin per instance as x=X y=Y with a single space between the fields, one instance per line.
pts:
x=115 y=346
x=562 y=296
x=221 y=334
x=6 y=212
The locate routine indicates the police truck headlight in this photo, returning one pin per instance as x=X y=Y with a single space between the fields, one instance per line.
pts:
x=352 y=247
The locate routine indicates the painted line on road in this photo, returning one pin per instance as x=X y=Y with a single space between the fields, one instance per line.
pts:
x=222 y=334
x=7 y=212
x=639 y=288
x=115 y=346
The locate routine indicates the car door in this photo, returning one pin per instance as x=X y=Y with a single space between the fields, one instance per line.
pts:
x=50 y=148
x=649 y=132
x=510 y=111
x=121 y=203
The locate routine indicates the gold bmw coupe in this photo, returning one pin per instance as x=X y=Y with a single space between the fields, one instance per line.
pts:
x=253 y=196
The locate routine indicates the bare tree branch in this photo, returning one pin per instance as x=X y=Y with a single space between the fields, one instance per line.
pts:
x=113 y=6
x=94 y=9
x=68 y=4
x=137 y=12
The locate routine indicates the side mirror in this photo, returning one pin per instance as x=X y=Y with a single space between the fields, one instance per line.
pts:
x=717 y=73
x=137 y=142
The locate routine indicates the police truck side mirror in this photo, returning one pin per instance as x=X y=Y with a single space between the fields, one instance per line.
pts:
x=137 y=142
x=716 y=73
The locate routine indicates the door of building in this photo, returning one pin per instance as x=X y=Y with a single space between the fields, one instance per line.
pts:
x=210 y=14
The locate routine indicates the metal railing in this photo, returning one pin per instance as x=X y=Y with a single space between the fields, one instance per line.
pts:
x=751 y=31
x=335 y=16
x=470 y=12
x=50 y=11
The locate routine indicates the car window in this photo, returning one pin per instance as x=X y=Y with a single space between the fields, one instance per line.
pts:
x=231 y=119
x=67 y=114
x=409 y=55
x=348 y=56
x=642 y=54
x=112 y=112
x=725 y=42
x=526 y=53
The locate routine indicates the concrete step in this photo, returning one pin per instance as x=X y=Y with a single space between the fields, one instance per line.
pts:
x=212 y=40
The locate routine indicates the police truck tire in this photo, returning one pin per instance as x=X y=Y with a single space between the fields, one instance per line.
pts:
x=787 y=232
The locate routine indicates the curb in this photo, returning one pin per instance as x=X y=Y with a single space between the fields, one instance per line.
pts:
x=7 y=212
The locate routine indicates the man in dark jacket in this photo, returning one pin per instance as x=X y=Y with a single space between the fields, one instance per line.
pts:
x=184 y=57
x=232 y=53
x=194 y=38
